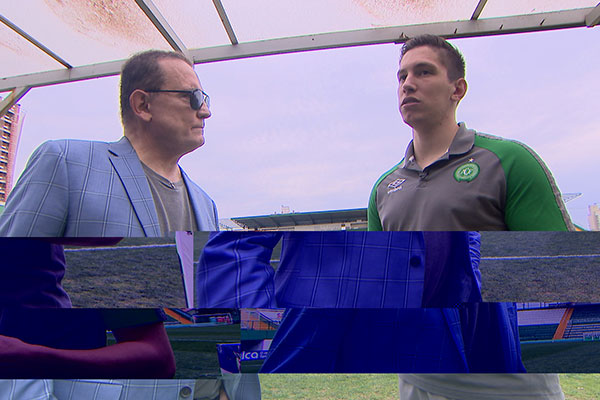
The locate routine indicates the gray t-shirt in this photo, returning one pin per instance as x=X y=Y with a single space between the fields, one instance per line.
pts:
x=489 y=386
x=172 y=203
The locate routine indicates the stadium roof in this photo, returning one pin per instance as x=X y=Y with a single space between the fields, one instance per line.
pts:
x=45 y=42
x=303 y=218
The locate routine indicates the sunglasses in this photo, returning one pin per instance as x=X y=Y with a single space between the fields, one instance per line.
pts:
x=197 y=97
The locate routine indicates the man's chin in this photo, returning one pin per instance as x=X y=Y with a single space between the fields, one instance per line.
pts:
x=197 y=138
x=194 y=144
x=408 y=120
x=197 y=144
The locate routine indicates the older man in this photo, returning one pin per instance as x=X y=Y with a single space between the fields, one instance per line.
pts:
x=133 y=187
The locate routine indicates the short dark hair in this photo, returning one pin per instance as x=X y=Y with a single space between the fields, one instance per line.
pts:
x=142 y=71
x=449 y=55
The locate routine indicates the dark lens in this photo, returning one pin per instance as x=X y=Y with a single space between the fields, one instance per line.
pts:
x=196 y=99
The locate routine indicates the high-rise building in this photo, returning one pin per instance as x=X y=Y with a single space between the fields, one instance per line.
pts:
x=594 y=217
x=11 y=130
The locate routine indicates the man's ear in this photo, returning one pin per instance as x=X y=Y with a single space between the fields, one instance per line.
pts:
x=460 y=89
x=139 y=101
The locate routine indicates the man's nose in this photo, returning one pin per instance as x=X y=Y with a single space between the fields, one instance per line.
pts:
x=408 y=85
x=204 y=112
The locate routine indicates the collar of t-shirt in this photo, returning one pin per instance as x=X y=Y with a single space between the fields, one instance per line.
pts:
x=462 y=143
x=172 y=203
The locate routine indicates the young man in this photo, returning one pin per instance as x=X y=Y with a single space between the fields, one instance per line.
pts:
x=455 y=178
x=451 y=177
x=133 y=187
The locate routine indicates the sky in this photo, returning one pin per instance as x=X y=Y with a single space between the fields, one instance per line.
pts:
x=315 y=130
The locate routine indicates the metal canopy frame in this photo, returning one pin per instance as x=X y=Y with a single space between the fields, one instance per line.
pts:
x=162 y=25
x=19 y=85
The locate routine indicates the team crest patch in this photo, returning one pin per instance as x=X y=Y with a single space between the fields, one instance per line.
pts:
x=395 y=185
x=466 y=172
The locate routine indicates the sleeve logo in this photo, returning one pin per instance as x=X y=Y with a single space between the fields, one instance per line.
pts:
x=466 y=172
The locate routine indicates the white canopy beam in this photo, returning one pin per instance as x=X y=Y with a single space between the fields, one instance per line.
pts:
x=33 y=41
x=161 y=24
x=10 y=100
x=225 y=20
x=593 y=18
x=454 y=29
x=478 y=9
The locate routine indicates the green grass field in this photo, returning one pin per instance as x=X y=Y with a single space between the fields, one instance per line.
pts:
x=562 y=356
x=581 y=386
x=329 y=386
x=385 y=386
x=147 y=277
x=561 y=279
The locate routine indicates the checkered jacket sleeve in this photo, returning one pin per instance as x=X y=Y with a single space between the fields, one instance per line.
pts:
x=38 y=204
x=234 y=271
x=351 y=270
x=71 y=188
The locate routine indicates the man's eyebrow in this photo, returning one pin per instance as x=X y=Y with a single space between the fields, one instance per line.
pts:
x=422 y=64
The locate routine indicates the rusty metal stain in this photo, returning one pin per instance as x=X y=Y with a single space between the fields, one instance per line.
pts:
x=389 y=10
x=109 y=21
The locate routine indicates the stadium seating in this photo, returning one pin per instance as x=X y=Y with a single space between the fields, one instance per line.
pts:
x=537 y=332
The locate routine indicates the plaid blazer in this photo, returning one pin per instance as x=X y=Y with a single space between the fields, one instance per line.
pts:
x=26 y=389
x=237 y=386
x=127 y=389
x=86 y=189
x=334 y=269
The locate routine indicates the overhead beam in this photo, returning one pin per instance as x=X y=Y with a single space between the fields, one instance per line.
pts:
x=457 y=29
x=62 y=75
x=33 y=41
x=478 y=9
x=593 y=17
x=11 y=99
x=225 y=20
x=159 y=21
x=449 y=30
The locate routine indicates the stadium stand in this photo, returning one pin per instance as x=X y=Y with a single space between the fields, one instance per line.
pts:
x=539 y=324
x=586 y=313
x=537 y=332
x=351 y=219
x=576 y=321
x=584 y=323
